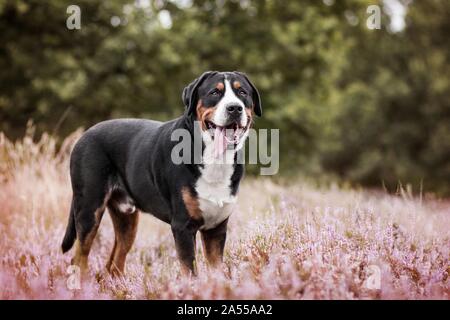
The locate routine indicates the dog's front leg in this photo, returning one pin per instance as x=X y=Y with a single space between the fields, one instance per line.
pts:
x=185 y=245
x=214 y=243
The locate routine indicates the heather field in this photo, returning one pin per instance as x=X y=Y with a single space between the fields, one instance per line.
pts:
x=286 y=241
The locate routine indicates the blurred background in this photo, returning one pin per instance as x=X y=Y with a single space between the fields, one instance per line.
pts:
x=367 y=107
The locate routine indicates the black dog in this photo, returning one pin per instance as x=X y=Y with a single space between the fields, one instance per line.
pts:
x=126 y=166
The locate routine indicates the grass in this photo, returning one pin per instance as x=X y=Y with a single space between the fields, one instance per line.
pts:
x=285 y=241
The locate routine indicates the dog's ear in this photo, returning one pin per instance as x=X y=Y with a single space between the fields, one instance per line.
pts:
x=256 y=98
x=190 y=95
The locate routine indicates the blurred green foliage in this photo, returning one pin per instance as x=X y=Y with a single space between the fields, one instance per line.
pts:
x=368 y=106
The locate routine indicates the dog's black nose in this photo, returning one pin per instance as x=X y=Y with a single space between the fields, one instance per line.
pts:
x=234 y=109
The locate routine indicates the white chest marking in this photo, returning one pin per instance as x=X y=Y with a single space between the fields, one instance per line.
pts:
x=213 y=187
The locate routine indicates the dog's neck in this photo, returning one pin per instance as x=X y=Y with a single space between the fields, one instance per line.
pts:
x=214 y=183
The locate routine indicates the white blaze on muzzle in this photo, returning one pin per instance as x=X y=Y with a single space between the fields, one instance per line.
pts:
x=231 y=134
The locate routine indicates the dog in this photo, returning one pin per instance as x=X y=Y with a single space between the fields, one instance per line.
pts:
x=125 y=165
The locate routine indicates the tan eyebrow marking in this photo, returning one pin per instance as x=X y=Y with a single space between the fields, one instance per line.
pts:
x=236 y=84
x=220 y=86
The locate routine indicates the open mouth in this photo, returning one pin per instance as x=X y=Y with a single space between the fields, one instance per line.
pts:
x=232 y=126
x=225 y=136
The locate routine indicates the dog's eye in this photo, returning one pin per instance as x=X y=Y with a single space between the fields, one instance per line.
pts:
x=215 y=92
x=242 y=92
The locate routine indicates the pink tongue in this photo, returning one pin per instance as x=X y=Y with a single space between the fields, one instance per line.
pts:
x=220 y=142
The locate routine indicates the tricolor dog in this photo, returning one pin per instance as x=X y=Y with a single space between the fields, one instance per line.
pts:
x=125 y=165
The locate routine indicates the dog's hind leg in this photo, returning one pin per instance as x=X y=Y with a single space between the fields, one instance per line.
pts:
x=89 y=206
x=90 y=171
x=88 y=221
x=125 y=229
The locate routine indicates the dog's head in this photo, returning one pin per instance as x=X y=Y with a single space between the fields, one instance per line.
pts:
x=224 y=103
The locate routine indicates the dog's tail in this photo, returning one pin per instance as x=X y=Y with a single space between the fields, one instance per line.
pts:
x=71 y=233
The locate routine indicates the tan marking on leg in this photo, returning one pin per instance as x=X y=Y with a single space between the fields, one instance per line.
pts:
x=191 y=204
x=185 y=271
x=212 y=250
x=125 y=228
x=83 y=248
x=111 y=257
x=213 y=241
x=80 y=259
